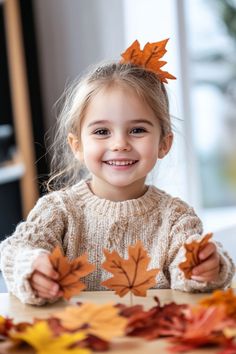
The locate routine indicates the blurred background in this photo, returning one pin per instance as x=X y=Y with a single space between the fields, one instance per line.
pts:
x=45 y=44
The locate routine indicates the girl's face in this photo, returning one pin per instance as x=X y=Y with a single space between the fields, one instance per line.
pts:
x=120 y=143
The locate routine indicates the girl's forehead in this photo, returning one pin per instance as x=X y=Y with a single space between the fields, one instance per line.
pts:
x=117 y=105
x=118 y=99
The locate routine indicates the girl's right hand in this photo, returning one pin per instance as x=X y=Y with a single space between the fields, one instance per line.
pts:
x=44 y=278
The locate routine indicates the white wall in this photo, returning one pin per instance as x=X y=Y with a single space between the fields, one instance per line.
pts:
x=72 y=35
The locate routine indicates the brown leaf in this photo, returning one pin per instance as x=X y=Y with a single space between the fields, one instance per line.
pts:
x=129 y=274
x=70 y=272
x=192 y=251
x=160 y=321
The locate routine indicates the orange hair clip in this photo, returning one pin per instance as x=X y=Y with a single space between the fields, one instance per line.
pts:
x=148 y=58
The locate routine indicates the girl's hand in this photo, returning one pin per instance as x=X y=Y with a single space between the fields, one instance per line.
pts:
x=43 y=278
x=209 y=268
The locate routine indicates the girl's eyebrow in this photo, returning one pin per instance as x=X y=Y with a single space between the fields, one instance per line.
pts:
x=133 y=121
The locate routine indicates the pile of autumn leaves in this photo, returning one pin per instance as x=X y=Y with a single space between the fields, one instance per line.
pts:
x=86 y=327
x=82 y=328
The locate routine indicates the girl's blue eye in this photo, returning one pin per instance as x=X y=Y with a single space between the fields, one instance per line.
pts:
x=138 y=130
x=101 y=132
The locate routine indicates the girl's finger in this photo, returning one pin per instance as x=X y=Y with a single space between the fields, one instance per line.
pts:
x=43 y=294
x=207 y=276
x=39 y=287
x=208 y=265
x=43 y=265
x=41 y=281
x=207 y=251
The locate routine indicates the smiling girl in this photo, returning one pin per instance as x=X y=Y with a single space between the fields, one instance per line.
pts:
x=116 y=124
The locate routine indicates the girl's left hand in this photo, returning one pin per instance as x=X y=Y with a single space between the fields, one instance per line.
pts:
x=209 y=268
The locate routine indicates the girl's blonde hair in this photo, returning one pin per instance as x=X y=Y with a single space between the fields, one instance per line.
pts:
x=66 y=170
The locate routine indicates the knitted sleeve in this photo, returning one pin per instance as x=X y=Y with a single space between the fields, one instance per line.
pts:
x=41 y=232
x=187 y=227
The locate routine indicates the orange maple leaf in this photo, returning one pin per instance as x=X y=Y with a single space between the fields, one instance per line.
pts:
x=70 y=272
x=220 y=297
x=102 y=321
x=129 y=274
x=148 y=57
x=192 y=251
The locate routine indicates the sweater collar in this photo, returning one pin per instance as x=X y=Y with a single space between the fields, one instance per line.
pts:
x=142 y=205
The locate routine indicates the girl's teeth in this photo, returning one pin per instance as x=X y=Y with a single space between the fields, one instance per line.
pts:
x=120 y=163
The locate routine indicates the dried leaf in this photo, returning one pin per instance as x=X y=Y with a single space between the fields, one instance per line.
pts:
x=129 y=274
x=102 y=321
x=5 y=325
x=70 y=272
x=40 y=337
x=192 y=251
x=230 y=348
x=168 y=320
x=148 y=57
x=203 y=327
x=221 y=297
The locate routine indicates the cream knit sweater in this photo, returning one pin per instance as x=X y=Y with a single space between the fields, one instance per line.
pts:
x=79 y=222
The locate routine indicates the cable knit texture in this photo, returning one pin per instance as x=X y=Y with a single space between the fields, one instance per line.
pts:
x=78 y=221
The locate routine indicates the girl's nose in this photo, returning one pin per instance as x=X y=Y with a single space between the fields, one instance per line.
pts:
x=120 y=144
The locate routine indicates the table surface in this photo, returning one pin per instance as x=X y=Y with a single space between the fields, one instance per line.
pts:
x=10 y=306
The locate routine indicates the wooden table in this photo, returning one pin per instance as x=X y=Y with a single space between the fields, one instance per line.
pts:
x=12 y=307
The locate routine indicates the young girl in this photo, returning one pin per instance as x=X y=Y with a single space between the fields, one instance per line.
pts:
x=116 y=123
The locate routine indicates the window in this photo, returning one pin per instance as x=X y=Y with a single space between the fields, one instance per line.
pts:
x=211 y=39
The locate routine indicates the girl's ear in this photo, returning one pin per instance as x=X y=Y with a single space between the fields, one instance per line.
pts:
x=165 y=145
x=75 y=146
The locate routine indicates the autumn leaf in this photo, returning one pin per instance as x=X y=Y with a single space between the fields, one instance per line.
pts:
x=203 y=327
x=133 y=54
x=102 y=321
x=129 y=274
x=220 y=297
x=70 y=272
x=192 y=251
x=159 y=321
x=148 y=57
x=40 y=337
x=230 y=348
x=5 y=325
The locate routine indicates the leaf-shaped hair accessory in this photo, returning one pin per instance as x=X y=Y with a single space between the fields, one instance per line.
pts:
x=192 y=251
x=148 y=58
x=129 y=274
x=70 y=272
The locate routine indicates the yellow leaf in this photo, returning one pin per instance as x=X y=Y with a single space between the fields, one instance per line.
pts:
x=221 y=297
x=102 y=321
x=40 y=337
